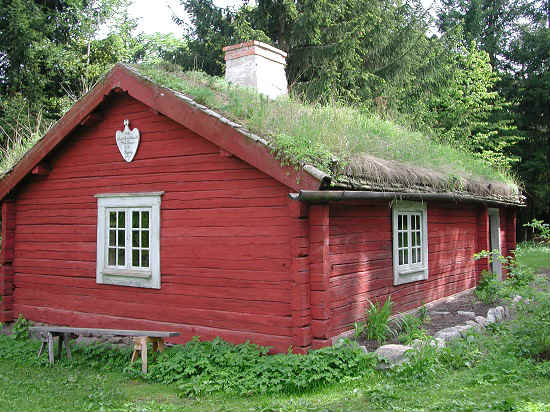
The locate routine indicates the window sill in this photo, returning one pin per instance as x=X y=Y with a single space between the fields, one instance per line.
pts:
x=411 y=275
x=127 y=273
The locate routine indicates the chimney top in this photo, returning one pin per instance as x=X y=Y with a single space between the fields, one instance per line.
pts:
x=258 y=65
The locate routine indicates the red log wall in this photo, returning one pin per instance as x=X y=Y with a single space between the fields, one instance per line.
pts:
x=361 y=258
x=225 y=255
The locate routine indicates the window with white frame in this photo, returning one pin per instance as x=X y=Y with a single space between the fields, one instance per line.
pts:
x=128 y=239
x=410 y=242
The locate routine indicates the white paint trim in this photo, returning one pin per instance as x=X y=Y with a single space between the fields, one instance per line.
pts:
x=129 y=277
x=136 y=194
x=494 y=225
x=409 y=273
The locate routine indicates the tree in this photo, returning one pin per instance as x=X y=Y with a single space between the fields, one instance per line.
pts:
x=471 y=113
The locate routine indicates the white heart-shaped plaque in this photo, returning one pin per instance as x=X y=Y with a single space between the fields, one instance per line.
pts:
x=127 y=141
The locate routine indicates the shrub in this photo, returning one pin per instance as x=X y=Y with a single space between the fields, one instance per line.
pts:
x=410 y=328
x=205 y=367
x=488 y=288
x=378 y=317
x=20 y=329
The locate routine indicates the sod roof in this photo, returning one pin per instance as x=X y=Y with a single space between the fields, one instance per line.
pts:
x=340 y=146
x=357 y=150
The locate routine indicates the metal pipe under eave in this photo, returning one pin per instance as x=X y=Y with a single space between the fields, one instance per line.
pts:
x=324 y=196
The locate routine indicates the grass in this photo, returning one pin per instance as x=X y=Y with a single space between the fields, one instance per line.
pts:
x=62 y=387
x=492 y=372
x=537 y=257
x=22 y=136
x=318 y=134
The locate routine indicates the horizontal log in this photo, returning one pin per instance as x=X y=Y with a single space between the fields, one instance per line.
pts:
x=75 y=318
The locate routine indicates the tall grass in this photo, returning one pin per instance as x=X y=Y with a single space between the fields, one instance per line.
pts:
x=318 y=134
x=18 y=138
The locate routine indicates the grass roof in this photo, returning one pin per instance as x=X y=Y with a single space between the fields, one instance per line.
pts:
x=359 y=150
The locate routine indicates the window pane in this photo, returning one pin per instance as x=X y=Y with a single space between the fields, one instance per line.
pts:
x=145 y=239
x=121 y=238
x=121 y=220
x=400 y=240
x=405 y=257
x=135 y=238
x=405 y=222
x=145 y=258
x=112 y=237
x=418 y=222
x=413 y=240
x=413 y=256
x=121 y=257
x=112 y=257
x=400 y=257
x=399 y=222
x=135 y=257
x=405 y=239
x=418 y=243
x=145 y=220
x=135 y=219
x=112 y=219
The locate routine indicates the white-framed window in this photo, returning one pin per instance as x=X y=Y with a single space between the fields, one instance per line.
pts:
x=128 y=239
x=410 y=241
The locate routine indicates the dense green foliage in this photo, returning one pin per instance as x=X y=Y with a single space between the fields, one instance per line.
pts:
x=480 y=84
x=205 y=367
x=516 y=35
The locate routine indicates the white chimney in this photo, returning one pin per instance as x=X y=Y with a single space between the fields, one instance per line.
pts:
x=259 y=65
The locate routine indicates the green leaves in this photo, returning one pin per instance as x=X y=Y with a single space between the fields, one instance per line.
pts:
x=205 y=367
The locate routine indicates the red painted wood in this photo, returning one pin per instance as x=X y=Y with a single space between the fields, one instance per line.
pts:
x=164 y=101
x=226 y=261
x=81 y=319
x=362 y=266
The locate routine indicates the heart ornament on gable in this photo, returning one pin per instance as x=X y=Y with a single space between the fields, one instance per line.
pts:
x=127 y=141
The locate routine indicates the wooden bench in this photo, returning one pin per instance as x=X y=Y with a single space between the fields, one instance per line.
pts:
x=63 y=334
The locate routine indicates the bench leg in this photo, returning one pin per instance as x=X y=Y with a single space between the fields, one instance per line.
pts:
x=50 y=347
x=42 y=347
x=144 y=356
x=66 y=338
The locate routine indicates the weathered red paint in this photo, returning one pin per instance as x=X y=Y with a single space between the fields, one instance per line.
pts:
x=239 y=259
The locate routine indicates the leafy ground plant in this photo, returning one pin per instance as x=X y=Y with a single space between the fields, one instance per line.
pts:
x=505 y=369
x=378 y=317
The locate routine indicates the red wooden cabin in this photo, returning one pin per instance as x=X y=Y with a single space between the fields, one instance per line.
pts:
x=198 y=233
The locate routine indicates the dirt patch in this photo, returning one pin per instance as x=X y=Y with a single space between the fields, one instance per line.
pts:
x=442 y=315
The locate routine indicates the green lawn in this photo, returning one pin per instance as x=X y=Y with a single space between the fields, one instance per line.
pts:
x=66 y=388
x=490 y=372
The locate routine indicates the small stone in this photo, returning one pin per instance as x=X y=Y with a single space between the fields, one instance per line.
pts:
x=474 y=325
x=463 y=329
x=517 y=299
x=507 y=314
x=481 y=321
x=442 y=313
x=470 y=315
x=448 y=334
x=499 y=313
x=363 y=348
x=392 y=355
x=491 y=316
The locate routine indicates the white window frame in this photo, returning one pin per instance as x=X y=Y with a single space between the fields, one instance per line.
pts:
x=128 y=275
x=406 y=273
